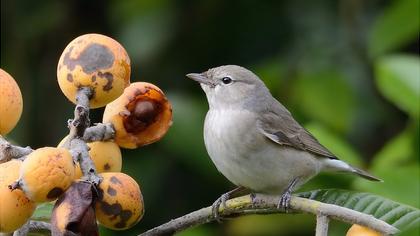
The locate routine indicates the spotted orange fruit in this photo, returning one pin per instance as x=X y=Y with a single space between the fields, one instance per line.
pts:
x=95 y=61
x=120 y=203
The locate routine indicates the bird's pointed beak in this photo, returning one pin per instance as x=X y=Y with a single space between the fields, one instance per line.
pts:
x=202 y=79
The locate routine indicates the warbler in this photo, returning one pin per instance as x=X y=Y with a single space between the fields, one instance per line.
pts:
x=255 y=142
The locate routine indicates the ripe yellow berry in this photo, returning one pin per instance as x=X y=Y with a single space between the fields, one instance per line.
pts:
x=358 y=230
x=95 y=61
x=11 y=103
x=15 y=207
x=105 y=155
x=120 y=202
x=46 y=173
x=141 y=115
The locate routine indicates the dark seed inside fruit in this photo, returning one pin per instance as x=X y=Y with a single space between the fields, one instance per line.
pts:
x=142 y=114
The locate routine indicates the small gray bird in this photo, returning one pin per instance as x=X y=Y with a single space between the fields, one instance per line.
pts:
x=253 y=139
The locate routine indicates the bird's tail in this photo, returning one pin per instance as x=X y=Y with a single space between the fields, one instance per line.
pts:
x=365 y=174
x=341 y=166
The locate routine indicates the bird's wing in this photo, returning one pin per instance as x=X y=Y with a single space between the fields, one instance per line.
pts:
x=280 y=127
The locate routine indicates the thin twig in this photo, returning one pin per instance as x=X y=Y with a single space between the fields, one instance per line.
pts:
x=321 y=225
x=75 y=142
x=81 y=119
x=80 y=151
x=9 y=151
x=32 y=226
x=265 y=204
x=99 y=132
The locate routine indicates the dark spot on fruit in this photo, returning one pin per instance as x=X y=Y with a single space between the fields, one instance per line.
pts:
x=115 y=180
x=120 y=224
x=125 y=216
x=69 y=77
x=111 y=191
x=93 y=58
x=111 y=210
x=107 y=166
x=54 y=193
x=143 y=113
x=93 y=79
x=110 y=79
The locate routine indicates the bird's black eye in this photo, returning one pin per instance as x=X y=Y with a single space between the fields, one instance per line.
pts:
x=226 y=80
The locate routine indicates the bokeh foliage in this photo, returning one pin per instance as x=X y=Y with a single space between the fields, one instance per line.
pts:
x=348 y=70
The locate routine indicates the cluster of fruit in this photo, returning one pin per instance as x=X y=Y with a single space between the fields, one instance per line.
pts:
x=138 y=113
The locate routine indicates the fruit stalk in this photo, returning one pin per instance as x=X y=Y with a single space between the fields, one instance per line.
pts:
x=9 y=151
x=78 y=126
x=99 y=132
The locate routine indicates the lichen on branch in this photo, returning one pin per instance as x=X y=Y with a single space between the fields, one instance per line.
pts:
x=77 y=146
x=9 y=151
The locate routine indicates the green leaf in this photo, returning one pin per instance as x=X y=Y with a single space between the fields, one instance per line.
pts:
x=396 y=163
x=399 y=215
x=396 y=152
x=43 y=212
x=400 y=183
x=398 y=79
x=325 y=96
x=397 y=26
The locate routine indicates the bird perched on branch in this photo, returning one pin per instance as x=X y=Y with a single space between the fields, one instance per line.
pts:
x=254 y=141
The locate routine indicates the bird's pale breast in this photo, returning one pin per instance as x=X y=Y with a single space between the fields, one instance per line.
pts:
x=247 y=158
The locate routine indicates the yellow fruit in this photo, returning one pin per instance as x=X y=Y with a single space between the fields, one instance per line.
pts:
x=15 y=207
x=105 y=155
x=141 y=115
x=95 y=61
x=358 y=230
x=120 y=203
x=46 y=173
x=11 y=103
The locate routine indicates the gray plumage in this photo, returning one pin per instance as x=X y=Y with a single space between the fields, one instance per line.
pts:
x=253 y=139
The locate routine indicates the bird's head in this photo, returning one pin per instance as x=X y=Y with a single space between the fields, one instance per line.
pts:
x=230 y=87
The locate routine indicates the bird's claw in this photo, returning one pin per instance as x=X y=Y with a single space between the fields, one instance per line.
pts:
x=253 y=199
x=284 y=201
x=216 y=206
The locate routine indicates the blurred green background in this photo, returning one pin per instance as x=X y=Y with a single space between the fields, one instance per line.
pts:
x=348 y=70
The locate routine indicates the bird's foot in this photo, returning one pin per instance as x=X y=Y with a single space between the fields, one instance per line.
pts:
x=222 y=201
x=216 y=206
x=253 y=197
x=284 y=201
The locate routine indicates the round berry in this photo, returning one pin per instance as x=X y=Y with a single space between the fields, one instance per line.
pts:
x=105 y=155
x=141 y=115
x=11 y=103
x=95 y=61
x=46 y=173
x=120 y=203
x=15 y=208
